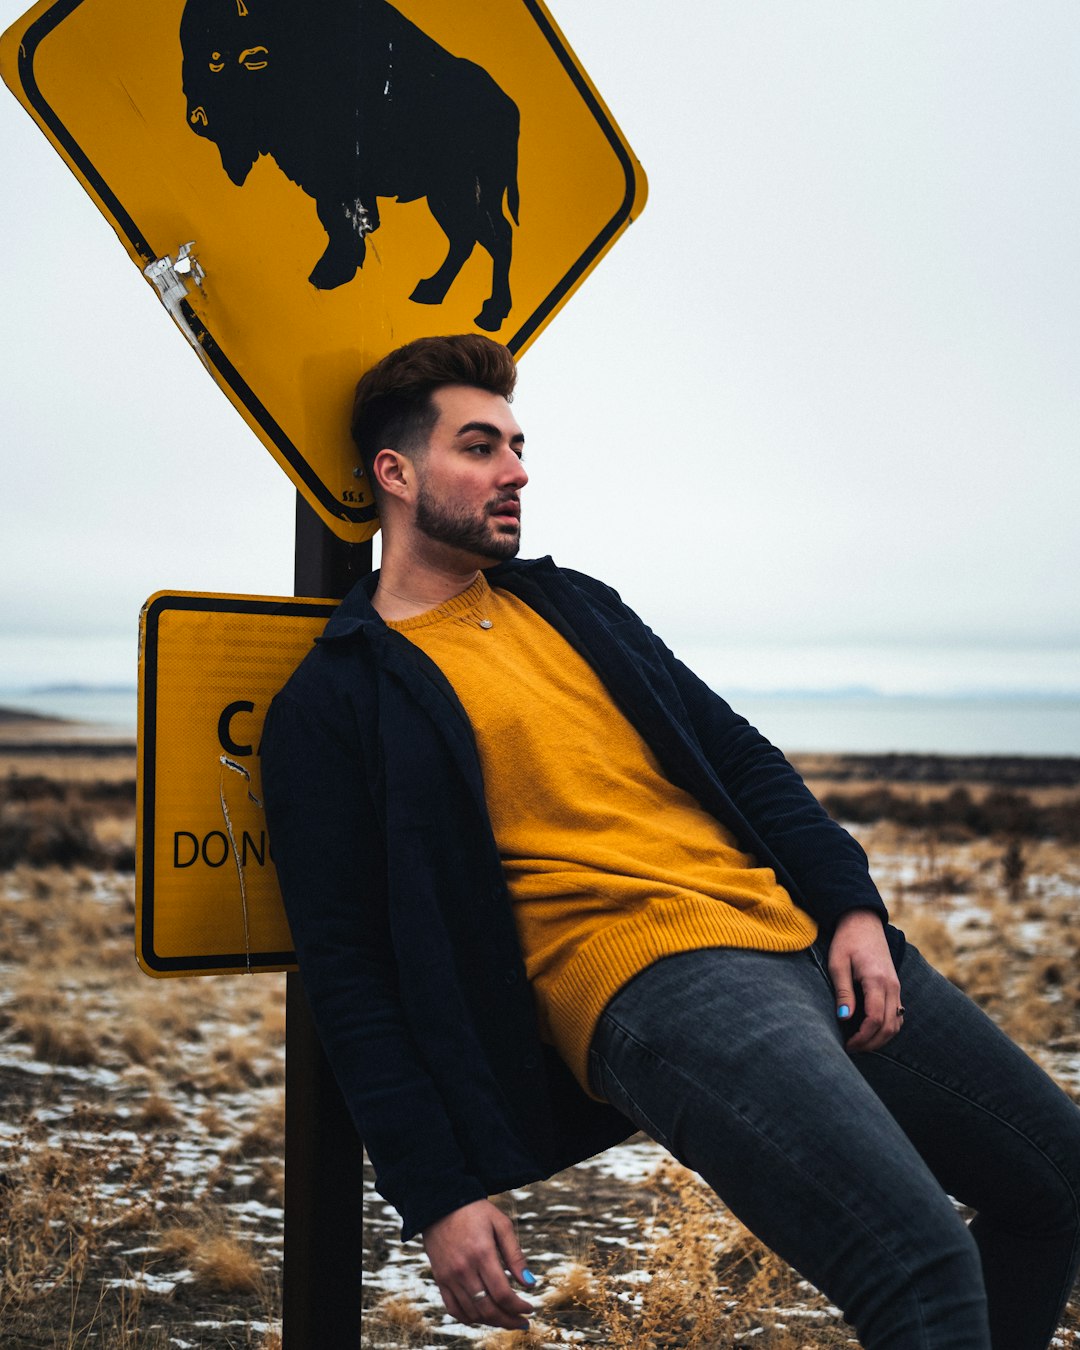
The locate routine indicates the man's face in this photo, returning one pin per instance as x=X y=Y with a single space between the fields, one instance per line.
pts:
x=470 y=475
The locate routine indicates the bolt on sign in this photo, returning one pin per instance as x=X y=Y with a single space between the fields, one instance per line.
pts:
x=207 y=898
x=310 y=185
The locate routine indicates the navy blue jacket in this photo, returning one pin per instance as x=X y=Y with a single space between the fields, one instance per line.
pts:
x=399 y=910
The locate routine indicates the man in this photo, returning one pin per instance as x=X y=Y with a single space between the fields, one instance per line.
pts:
x=547 y=888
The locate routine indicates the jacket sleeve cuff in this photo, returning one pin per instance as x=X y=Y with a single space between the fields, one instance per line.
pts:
x=438 y=1201
x=830 y=892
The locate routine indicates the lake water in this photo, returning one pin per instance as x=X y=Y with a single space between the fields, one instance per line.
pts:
x=946 y=726
x=863 y=723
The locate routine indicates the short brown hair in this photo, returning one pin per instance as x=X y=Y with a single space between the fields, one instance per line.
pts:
x=393 y=404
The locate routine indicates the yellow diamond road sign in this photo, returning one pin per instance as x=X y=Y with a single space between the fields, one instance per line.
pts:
x=310 y=185
x=207 y=898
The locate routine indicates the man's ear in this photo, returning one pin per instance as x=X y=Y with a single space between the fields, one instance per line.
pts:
x=392 y=471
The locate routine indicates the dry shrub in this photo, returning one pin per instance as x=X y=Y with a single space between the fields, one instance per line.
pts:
x=399 y=1316
x=157 y=1112
x=575 y=1287
x=1013 y=866
x=220 y=1262
x=271 y=1179
x=225 y=1265
x=42 y=833
x=237 y=1065
x=265 y=1135
x=116 y=839
x=32 y=996
x=773 y=1283
x=211 y=1120
x=1043 y=1003
x=58 y=1209
x=959 y=814
x=140 y=1043
x=172 y=1010
x=932 y=937
x=982 y=977
x=675 y=1302
x=181 y=1241
x=534 y=1339
x=61 y=1041
x=1033 y=1021
x=704 y=1280
x=272 y=1019
x=66 y=823
x=41 y=1250
x=90 y=923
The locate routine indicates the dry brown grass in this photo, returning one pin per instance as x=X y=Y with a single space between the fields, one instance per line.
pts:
x=995 y=912
x=59 y=1207
x=45 y=820
x=117 y=1323
x=266 y=1134
x=61 y=1041
x=535 y=1338
x=221 y=1262
x=156 y=1112
x=575 y=1287
x=702 y=1280
x=114 y=767
x=226 y=1265
x=70 y=935
x=72 y=998
x=271 y=1182
x=399 y=1318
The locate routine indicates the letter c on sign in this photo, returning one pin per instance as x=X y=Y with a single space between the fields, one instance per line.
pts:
x=224 y=728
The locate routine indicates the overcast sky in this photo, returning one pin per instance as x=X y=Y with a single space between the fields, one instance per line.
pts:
x=823 y=393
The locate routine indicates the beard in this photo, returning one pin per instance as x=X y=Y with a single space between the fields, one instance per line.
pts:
x=461 y=528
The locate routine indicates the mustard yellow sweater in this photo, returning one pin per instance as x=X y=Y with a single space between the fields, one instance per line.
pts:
x=609 y=866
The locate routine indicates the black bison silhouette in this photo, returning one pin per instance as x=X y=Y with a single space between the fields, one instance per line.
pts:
x=355 y=103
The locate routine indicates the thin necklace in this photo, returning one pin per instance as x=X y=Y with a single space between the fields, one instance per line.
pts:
x=416 y=600
x=412 y=600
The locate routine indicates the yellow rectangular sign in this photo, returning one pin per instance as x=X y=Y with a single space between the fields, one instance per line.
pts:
x=207 y=900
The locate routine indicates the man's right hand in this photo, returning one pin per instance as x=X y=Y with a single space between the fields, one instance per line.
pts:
x=470 y=1251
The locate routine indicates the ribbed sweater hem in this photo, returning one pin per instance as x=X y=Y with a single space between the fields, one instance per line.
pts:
x=602 y=966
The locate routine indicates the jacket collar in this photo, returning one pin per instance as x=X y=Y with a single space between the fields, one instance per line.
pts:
x=356 y=614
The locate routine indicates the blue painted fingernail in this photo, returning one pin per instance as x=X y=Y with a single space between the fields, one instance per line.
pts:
x=843 y=1011
x=527 y=1277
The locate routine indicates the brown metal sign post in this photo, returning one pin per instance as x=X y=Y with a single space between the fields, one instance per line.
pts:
x=324 y=1193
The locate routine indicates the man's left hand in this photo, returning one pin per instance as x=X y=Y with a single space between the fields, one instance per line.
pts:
x=859 y=959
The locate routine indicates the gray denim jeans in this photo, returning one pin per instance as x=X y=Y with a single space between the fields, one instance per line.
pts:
x=844 y=1164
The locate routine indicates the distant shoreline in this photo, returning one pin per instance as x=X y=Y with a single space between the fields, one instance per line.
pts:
x=26 y=715
x=25 y=732
x=1011 y=771
x=33 y=736
x=84 y=749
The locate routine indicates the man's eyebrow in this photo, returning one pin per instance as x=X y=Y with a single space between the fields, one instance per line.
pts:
x=489 y=429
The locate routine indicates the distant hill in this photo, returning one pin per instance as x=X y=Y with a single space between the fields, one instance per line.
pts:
x=83 y=689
